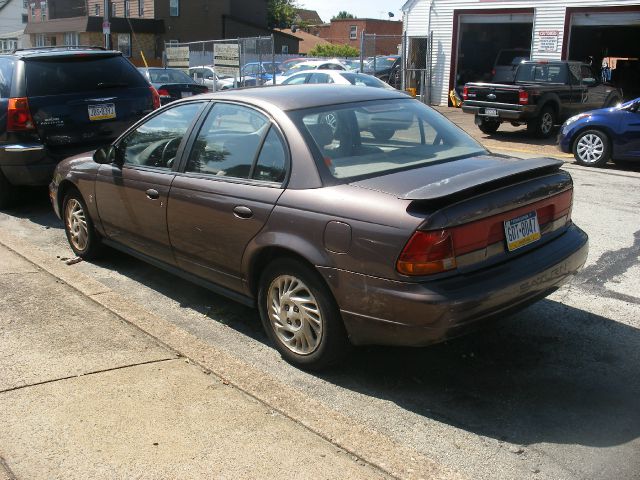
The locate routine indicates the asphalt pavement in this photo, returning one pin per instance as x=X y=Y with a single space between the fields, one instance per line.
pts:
x=551 y=392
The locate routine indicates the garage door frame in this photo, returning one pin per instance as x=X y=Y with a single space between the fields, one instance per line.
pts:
x=577 y=10
x=456 y=25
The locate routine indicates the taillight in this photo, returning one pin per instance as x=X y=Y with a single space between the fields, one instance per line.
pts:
x=523 y=97
x=163 y=92
x=427 y=253
x=19 y=116
x=155 y=97
x=493 y=72
x=465 y=93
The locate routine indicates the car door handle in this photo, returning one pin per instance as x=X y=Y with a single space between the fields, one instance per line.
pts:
x=242 y=212
x=153 y=194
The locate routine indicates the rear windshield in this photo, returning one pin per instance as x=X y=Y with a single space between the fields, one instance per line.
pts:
x=364 y=80
x=166 y=75
x=366 y=139
x=541 y=73
x=75 y=74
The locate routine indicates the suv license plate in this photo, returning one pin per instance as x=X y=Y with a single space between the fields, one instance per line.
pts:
x=187 y=94
x=521 y=231
x=491 y=112
x=102 y=112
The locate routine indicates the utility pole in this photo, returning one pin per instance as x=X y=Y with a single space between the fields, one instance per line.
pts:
x=106 y=26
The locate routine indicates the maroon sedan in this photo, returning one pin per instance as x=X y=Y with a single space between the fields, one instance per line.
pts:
x=347 y=215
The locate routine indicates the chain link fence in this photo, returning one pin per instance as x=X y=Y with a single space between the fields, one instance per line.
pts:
x=416 y=72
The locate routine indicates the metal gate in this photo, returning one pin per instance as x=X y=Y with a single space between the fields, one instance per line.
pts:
x=417 y=66
x=249 y=61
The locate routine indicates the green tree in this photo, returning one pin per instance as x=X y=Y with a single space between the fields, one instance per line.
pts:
x=280 y=13
x=343 y=15
x=334 y=50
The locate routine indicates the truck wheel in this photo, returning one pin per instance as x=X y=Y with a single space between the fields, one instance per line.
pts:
x=489 y=126
x=542 y=126
x=591 y=148
x=6 y=191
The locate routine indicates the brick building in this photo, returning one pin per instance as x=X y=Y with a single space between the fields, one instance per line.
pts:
x=348 y=31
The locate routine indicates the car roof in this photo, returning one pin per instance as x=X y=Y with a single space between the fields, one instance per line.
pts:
x=296 y=97
x=62 y=51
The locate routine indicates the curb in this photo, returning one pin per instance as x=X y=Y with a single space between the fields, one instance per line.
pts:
x=365 y=443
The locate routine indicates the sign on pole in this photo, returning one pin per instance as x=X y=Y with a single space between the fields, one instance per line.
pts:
x=177 y=57
x=106 y=28
x=226 y=59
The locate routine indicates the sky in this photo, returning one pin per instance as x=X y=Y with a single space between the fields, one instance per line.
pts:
x=360 y=8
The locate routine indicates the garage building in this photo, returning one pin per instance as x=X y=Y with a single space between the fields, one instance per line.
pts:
x=482 y=40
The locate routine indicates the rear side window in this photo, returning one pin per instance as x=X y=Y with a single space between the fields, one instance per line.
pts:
x=6 y=74
x=76 y=74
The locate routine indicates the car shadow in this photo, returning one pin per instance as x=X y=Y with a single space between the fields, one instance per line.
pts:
x=33 y=204
x=550 y=373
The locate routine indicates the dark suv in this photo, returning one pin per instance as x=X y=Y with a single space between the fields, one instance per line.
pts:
x=58 y=102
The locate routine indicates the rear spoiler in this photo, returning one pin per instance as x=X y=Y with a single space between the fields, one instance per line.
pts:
x=476 y=179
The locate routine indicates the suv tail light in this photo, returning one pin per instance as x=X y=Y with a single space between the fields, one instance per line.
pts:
x=163 y=92
x=465 y=93
x=19 y=116
x=523 y=97
x=427 y=253
x=156 y=97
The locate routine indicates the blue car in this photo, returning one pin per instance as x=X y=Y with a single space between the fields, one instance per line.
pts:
x=597 y=136
x=264 y=71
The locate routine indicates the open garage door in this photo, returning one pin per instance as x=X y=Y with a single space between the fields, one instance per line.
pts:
x=610 y=41
x=489 y=45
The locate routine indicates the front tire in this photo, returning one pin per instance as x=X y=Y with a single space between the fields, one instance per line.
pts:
x=81 y=234
x=300 y=315
x=591 y=148
x=542 y=125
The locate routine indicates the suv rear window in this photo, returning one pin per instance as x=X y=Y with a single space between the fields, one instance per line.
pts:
x=73 y=74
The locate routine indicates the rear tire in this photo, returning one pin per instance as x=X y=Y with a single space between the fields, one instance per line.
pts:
x=7 y=192
x=489 y=126
x=383 y=133
x=81 y=234
x=301 y=316
x=591 y=148
x=542 y=125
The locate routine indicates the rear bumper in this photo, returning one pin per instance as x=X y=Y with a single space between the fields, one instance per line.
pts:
x=26 y=164
x=510 y=113
x=385 y=312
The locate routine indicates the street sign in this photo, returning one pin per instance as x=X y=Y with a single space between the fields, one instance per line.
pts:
x=226 y=59
x=106 y=28
x=177 y=57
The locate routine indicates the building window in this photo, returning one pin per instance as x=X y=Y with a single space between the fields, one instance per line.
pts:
x=71 y=38
x=285 y=48
x=8 y=45
x=33 y=14
x=41 y=40
x=96 y=9
x=353 y=32
x=141 y=8
x=114 y=12
x=126 y=8
x=43 y=11
x=124 y=44
x=25 y=4
x=25 y=18
x=174 y=8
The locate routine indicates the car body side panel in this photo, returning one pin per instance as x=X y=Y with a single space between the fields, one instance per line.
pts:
x=627 y=142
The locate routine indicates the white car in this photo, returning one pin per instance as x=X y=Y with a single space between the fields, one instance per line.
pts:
x=334 y=65
x=337 y=77
x=206 y=75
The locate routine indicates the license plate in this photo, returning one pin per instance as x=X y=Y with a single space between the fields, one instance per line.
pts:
x=521 y=231
x=102 y=112
x=491 y=112
x=186 y=94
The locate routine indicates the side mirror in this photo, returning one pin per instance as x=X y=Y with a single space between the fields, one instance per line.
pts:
x=104 y=155
x=589 y=82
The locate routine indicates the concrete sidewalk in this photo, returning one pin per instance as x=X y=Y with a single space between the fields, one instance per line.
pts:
x=86 y=395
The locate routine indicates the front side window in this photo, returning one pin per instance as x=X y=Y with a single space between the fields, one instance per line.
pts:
x=296 y=79
x=174 y=8
x=229 y=142
x=124 y=44
x=155 y=143
x=320 y=78
x=375 y=138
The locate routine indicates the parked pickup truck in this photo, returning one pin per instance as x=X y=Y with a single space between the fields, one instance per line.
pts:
x=543 y=94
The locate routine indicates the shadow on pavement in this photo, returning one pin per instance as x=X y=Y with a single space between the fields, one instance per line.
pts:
x=33 y=204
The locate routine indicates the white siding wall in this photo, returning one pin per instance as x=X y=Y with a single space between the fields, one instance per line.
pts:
x=549 y=15
x=11 y=18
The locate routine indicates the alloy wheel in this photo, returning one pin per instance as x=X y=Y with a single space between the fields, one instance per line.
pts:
x=547 y=123
x=77 y=224
x=294 y=314
x=590 y=148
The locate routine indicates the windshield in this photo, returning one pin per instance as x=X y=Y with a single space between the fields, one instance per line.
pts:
x=365 y=80
x=270 y=67
x=299 y=68
x=378 y=137
x=382 y=63
x=168 y=75
x=541 y=73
